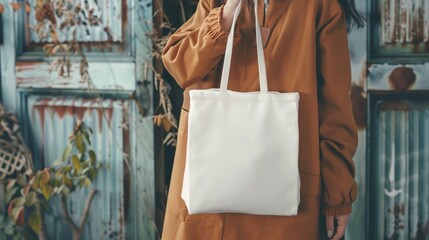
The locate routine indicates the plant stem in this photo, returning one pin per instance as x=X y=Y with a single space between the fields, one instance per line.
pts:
x=85 y=213
x=77 y=231
x=66 y=215
x=41 y=234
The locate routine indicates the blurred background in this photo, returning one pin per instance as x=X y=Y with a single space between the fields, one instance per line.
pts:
x=89 y=117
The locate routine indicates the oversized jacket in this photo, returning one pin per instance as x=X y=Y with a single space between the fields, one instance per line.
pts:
x=307 y=52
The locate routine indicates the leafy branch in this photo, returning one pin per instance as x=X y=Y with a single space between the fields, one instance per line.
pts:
x=30 y=193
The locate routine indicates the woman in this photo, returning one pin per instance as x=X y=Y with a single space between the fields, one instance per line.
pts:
x=306 y=51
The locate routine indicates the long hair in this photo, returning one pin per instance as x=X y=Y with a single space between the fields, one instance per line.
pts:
x=353 y=17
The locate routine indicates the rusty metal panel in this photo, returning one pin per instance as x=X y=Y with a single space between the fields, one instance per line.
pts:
x=51 y=120
x=402 y=170
x=104 y=76
x=399 y=31
x=404 y=21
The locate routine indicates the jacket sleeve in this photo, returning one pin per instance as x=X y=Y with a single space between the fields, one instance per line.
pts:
x=197 y=47
x=337 y=128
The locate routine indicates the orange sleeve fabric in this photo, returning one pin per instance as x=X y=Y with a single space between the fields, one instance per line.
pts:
x=337 y=128
x=198 y=46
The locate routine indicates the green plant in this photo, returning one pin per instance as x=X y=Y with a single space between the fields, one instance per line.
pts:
x=28 y=195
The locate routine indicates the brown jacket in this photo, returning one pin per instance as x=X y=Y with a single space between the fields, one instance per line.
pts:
x=307 y=52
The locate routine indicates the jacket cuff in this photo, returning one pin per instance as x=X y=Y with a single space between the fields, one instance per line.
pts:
x=337 y=210
x=214 y=30
x=214 y=24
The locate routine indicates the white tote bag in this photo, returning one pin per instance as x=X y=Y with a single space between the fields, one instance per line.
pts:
x=242 y=149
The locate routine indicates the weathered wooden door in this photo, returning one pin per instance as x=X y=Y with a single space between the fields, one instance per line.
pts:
x=50 y=94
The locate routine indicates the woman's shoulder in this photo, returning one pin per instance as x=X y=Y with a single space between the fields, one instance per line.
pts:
x=325 y=10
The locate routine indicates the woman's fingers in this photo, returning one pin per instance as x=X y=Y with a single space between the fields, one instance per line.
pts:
x=330 y=228
x=228 y=14
x=340 y=230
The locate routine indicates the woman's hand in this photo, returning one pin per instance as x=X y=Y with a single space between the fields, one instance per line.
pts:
x=228 y=14
x=336 y=231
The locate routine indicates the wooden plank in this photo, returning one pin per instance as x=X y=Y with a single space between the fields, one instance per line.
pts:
x=141 y=224
x=7 y=54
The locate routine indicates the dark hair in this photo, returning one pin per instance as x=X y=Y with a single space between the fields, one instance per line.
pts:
x=353 y=17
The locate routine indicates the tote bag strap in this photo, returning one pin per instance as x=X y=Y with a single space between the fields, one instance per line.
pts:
x=228 y=53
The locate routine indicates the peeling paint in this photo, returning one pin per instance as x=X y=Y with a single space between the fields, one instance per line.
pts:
x=105 y=76
x=109 y=11
x=405 y=21
x=379 y=76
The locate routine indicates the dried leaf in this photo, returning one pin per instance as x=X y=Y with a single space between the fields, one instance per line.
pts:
x=39 y=3
x=27 y=7
x=56 y=48
x=46 y=176
x=15 y=6
x=54 y=35
x=49 y=49
x=166 y=124
x=170 y=139
x=49 y=13
x=40 y=14
x=157 y=120
x=63 y=25
x=16 y=212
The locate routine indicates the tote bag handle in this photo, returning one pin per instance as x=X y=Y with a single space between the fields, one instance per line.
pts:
x=263 y=85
